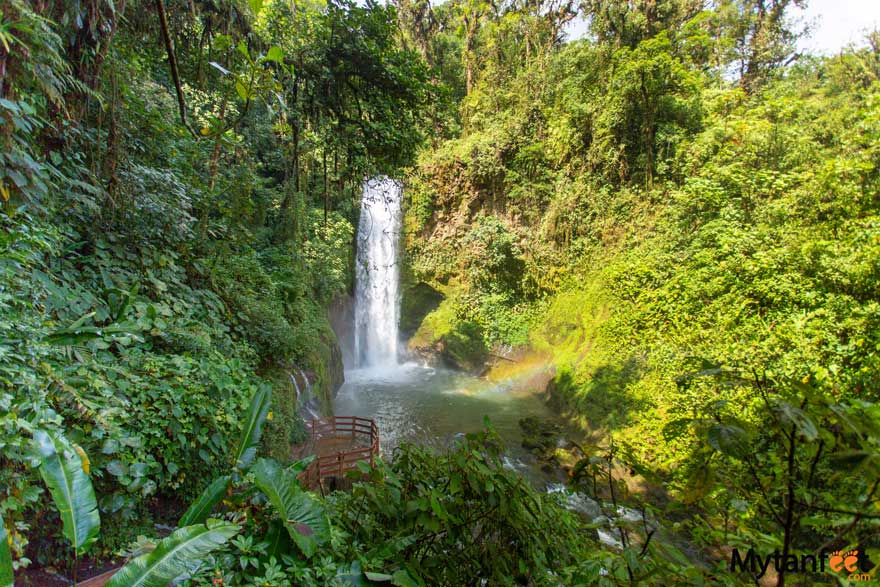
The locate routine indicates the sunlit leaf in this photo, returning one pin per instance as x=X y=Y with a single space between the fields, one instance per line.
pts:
x=275 y=54
x=174 y=555
x=62 y=470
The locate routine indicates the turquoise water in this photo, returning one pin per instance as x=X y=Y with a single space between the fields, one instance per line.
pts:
x=412 y=403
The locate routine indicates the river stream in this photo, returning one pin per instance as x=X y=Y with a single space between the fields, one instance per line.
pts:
x=427 y=406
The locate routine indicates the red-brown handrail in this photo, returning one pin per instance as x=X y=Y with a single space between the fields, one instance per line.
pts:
x=338 y=463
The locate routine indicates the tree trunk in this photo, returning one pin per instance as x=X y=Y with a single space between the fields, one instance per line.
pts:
x=215 y=154
x=649 y=133
x=469 y=42
x=326 y=191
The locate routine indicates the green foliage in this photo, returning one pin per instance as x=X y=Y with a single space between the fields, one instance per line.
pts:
x=326 y=255
x=660 y=211
x=302 y=514
x=201 y=508
x=6 y=574
x=253 y=428
x=148 y=273
x=175 y=223
x=429 y=518
x=800 y=437
x=174 y=555
x=491 y=258
x=257 y=414
x=64 y=469
x=247 y=288
x=455 y=517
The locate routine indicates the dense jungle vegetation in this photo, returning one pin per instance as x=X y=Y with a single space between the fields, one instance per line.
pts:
x=678 y=213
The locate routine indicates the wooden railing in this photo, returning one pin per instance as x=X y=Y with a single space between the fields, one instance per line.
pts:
x=361 y=436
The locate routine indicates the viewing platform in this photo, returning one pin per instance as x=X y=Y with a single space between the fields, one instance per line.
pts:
x=338 y=443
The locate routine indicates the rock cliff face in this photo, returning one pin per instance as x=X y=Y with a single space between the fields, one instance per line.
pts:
x=341 y=314
x=438 y=336
x=327 y=371
x=335 y=370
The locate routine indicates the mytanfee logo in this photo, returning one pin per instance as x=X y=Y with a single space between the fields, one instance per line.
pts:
x=847 y=563
x=839 y=562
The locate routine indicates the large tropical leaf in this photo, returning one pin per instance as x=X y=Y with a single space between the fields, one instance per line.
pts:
x=299 y=466
x=304 y=516
x=6 y=575
x=62 y=470
x=799 y=419
x=201 y=508
x=278 y=540
x=174 y=555
x=350 y=574
x=253 y=428
x=729 y=439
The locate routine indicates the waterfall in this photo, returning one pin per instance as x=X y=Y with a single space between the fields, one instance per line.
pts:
x=309 y=408
x=377 y=277
x=296 y=387
x=304 y=401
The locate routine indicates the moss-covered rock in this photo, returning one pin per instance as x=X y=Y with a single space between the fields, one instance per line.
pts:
x=286 y=426
x=417 y=301
x=463 y=347
x=540 y=436
x=324 y=363
x=443 y=338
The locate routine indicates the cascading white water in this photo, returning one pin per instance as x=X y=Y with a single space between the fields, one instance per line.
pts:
x=377 y=277
x=295 y=387
x=305 y=401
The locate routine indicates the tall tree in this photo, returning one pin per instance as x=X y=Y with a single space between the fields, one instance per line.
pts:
x=626 y=24
x=763 y=34
x=472 y=14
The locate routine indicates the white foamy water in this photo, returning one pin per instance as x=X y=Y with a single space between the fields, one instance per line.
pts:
x=377 y=276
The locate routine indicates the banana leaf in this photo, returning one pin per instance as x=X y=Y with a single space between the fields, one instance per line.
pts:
x=304 y=516
x=253 y=429
x=62 y=471
x=201 y=508
x=174 y=555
